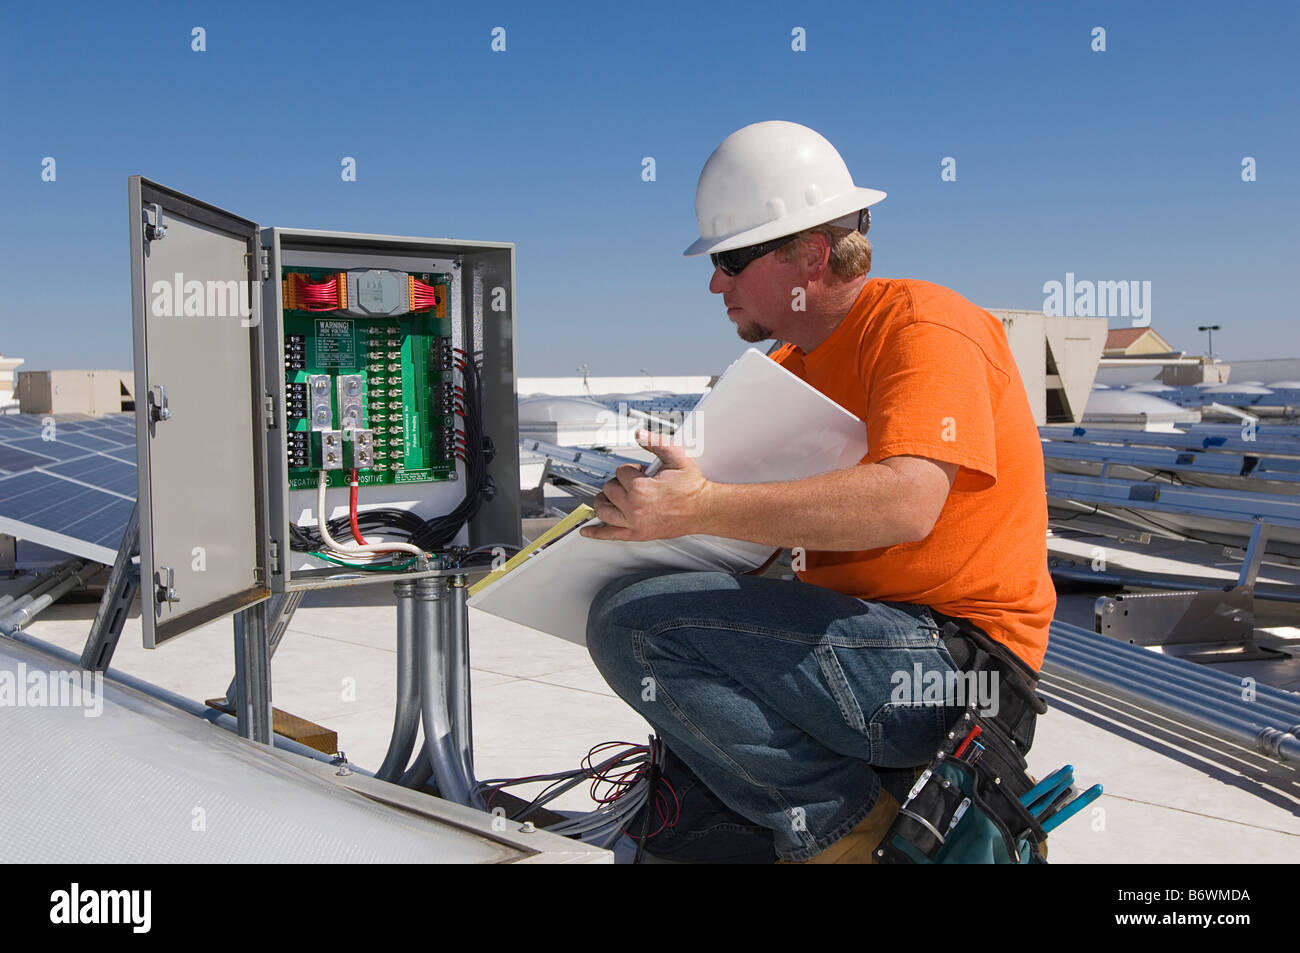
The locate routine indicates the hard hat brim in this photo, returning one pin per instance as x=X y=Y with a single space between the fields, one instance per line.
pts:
x=828 y=211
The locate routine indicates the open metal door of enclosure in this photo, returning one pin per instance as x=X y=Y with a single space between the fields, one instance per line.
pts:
x=201 y=413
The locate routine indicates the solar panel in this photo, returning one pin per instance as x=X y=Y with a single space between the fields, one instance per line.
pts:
x=68 y=481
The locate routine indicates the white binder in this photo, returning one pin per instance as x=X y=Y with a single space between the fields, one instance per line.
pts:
x=759 y=424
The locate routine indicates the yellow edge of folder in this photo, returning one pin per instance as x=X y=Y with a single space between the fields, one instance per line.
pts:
x=579 y=515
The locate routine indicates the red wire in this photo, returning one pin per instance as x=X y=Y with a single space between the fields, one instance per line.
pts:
x=426 y=295
x=617 y=783
x=661 y=805
x=352 y=514
x=620 y=781
x=320 y=295
x=352 y=510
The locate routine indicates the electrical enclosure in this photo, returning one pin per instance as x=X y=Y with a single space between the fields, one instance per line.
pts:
x=265 y=357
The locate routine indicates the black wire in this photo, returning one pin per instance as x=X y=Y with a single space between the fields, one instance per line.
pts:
x=470 y=559
x=650 y=808
x=1066 y=519
x=439 y=532
x=571 y=778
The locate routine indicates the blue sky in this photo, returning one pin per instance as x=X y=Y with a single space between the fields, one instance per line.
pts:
x=1122 y=165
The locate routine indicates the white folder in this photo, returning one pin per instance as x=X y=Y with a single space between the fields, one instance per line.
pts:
x=759 y=424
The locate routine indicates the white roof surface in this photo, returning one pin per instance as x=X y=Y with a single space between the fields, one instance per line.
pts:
x=1172 y=794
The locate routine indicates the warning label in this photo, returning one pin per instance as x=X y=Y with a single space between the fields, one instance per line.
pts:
x=336 y=343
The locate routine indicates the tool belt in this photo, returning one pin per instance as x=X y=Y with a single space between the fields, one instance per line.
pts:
x=966 y=806
x=973 y=650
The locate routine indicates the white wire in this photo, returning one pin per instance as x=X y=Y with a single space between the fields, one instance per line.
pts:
x=596 y=823
x=354 y=549
x=604 y=835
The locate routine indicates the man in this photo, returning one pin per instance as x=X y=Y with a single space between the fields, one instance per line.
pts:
x=781 y=695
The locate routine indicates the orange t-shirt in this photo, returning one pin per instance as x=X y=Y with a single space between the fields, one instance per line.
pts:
x=933 y=376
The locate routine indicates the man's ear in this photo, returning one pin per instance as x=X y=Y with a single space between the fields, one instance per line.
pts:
x=815 y=254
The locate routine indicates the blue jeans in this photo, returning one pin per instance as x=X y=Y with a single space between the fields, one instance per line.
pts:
x=775 y=692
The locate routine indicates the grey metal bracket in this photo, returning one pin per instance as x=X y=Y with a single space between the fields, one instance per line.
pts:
x=252 y=694
x=533 y=501
x=115 y=603
x=1214 y=625
x=279 y=611
x=1254 y=556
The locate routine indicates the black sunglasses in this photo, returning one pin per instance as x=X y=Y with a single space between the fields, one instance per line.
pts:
x=735 y=261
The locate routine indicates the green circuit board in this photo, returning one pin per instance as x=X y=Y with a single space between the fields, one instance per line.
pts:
x=404 y=363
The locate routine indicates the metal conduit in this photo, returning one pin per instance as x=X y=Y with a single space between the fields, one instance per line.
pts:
x=38 y=584
x=434 y=703
x=21 y=616
x=1166 y=666
x=1225 y=690
x=458 y=692
x=1249 y=731
x=55 y=578
x=1213 y=701
x=420 y=771
x=1269 y=592
x=406 y=717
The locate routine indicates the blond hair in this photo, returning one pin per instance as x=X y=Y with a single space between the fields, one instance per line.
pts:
x=850 y=249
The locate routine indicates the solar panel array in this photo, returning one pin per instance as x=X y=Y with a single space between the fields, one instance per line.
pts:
x=668 y=404
x=68 y=481
x=1193 y=396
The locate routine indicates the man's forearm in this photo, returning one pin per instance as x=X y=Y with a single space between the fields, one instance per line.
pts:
x=862 y=507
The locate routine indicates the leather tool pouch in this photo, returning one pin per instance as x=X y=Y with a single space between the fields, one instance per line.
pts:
x=965 y=807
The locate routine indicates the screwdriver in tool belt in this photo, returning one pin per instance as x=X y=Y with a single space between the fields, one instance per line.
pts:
x=974 y=733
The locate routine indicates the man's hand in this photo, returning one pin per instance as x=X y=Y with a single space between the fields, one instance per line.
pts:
x=636 y=507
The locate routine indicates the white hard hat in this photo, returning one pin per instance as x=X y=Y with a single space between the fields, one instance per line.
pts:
x=769 y=180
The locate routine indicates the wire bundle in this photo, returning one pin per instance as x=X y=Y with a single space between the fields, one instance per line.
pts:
x=435 y=535
x=361 y=548
x=319 y=295
x=622 y=785
x=438 y=533
x=423 y=295
x=379 y=558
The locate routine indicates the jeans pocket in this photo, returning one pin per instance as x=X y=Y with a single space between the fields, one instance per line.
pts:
x=900 y=623
x=905 y=734
x=839 y=688
x=923 y=615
